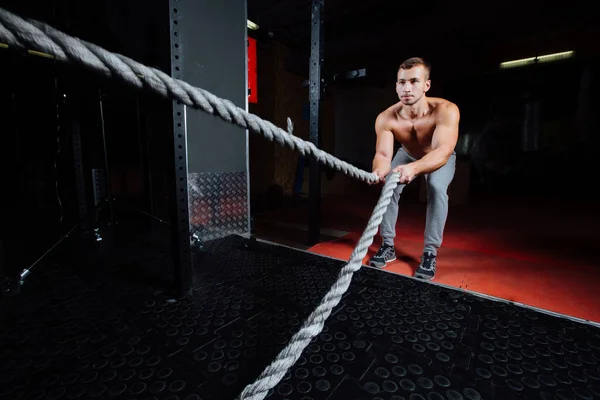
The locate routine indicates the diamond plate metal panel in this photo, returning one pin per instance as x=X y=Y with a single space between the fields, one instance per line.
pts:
x=218 y=204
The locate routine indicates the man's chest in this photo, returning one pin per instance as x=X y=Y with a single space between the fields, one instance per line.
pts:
x=419 y=130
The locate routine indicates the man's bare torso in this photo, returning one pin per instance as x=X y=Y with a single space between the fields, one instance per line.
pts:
x=415 y=133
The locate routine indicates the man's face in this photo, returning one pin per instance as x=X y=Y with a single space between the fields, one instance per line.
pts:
x=412 y=84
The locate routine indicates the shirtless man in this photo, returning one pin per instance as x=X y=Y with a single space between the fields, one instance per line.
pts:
x=427 y=129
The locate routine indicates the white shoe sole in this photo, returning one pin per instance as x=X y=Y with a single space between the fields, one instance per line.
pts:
x=381 y=265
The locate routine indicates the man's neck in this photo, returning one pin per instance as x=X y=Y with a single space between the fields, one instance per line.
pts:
x=417 y=110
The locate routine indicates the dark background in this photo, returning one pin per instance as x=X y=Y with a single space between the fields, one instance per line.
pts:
x=549 y=151
x=553 y=155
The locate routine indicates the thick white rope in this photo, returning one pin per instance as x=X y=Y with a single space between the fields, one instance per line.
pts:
x=313 y=325
x=26 y=34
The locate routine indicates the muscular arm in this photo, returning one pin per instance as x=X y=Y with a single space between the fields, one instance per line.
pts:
x=443 y=142
x=384 y=148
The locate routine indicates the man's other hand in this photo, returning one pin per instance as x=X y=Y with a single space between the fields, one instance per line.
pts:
x=408 y=173
x=381 y=175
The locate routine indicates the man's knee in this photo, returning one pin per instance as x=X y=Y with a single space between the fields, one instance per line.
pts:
x=437 y=189
x=439 y=181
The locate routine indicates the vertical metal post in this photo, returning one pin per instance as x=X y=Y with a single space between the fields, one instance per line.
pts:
x=138 y=125
x=583 y=114
x=78 y=164
x=107 y=170
x=316 y=61
x=149 y=172
x=182 y=259
x=144 y=148
x=2 y=259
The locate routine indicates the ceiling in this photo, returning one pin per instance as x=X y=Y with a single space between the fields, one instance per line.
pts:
x=454 y=34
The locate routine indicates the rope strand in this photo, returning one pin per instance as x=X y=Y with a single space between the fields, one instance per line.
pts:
x=19 y=32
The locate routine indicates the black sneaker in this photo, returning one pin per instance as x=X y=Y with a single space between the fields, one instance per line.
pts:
x=384 y=255
x=426 y=269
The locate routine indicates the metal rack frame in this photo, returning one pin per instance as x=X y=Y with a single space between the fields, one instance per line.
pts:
x=210 y=190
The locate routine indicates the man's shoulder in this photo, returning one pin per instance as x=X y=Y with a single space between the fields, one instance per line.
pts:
x=389 y=113
x=443 y=106
x=385 y=120
x=445 y=111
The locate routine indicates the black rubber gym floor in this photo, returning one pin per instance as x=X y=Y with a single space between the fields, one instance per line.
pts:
x=94 y=322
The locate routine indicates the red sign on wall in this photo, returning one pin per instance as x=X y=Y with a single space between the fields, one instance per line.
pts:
x=252 y=76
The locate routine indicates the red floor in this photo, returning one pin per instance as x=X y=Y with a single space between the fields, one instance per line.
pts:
x=532 y=251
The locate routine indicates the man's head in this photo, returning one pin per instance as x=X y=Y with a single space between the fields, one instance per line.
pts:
x=413 y=80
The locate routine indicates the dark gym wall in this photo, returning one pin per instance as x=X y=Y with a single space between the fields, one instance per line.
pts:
x=467 y=73
x=356 y=109
x=282 y=95
x=38 y=123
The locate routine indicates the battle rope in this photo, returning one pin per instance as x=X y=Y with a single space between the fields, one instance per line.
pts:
x=313 y=325
x=22 y=33
x=19 y=32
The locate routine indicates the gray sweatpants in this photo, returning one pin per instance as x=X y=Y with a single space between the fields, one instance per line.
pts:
x=437 y=203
